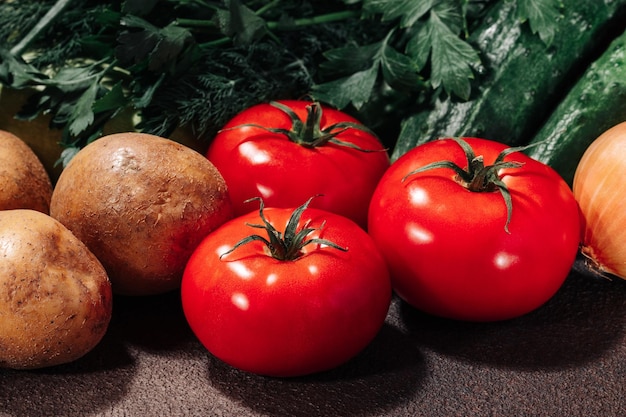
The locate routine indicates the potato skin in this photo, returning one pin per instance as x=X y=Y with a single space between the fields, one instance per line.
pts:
x=24 y=182
x=55 y=296
x=142 y=204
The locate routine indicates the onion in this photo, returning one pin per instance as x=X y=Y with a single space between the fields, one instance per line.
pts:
x=600 y=188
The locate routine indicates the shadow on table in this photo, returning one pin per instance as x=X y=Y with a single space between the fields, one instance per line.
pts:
x=101 y=378
x=389 y=372
x=582 y=322
x=153 y=323
x=86 y=386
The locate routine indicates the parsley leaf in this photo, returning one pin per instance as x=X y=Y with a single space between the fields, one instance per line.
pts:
x=240 y=23
x=71 y=94
x=436 y=34
x=16 y=73
x=67 y=154
x=363 y=63
x=399 y=70
x=433 y=29
x=160 y=46
x=541 y=15
x=82 y=114
x=73 y=79
x=113 y=100
x=355 y=89
x=409 y=11
x=451 y=57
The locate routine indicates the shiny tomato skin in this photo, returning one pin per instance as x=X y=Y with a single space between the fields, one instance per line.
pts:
x=286 y=318
x=446 y=247
x=257 y=163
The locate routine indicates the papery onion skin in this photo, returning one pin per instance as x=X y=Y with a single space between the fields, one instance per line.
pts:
x=600 y=188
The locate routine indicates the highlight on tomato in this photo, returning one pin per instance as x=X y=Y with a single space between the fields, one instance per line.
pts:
x=286 y=151
x=304 y=296
x=472 y=230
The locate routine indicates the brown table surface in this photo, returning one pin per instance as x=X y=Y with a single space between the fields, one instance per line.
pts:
x=567 y=358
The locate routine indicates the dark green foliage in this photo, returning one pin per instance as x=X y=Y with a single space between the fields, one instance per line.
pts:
x=197 y=63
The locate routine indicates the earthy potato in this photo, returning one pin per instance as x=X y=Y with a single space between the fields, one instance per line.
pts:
x=55 y=296
x=141 y=204
x=24 y=182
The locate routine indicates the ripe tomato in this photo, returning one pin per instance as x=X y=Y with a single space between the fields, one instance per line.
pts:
x=283 y=153
x=453 y=253
x=286 y=317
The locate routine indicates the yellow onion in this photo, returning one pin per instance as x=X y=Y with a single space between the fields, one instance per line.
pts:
x=600 y=189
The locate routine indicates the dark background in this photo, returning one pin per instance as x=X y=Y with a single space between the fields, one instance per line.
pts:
x=567 y=358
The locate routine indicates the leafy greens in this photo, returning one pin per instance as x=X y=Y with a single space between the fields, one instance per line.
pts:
x=195 y=63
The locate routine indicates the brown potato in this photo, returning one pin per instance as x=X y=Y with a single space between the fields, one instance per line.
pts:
x=55 y=296
x=24 y=182
x=142 y=204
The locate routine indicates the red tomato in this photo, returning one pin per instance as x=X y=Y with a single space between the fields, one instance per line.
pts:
x=257 y=162
x=286 y=317
x=447 y=248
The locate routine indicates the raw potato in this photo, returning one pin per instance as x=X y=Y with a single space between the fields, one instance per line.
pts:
x=24 y=182
x=142 y=204
x=55 y=296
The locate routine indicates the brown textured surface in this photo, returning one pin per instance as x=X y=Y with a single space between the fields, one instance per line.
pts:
x=566 y=359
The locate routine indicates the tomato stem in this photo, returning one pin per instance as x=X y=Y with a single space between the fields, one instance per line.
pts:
x=478 y=177
x=309 y=132
x=285 y=246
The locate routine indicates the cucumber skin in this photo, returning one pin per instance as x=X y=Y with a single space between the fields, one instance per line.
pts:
x=595 y=103
x=523 y=77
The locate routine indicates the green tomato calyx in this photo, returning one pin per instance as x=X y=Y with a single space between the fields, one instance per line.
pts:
x=309 y=133
x=285 y=246
x=477 y=177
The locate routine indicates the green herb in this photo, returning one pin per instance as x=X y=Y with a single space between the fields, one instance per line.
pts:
x=541 y=16
x=196 y=63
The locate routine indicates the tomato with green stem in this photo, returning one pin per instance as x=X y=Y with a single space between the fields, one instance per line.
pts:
x=287 y=151
x=473 y=230
x=304 y=298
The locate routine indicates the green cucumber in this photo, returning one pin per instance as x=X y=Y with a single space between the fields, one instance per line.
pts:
x=524 y=78
x=594 y=104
